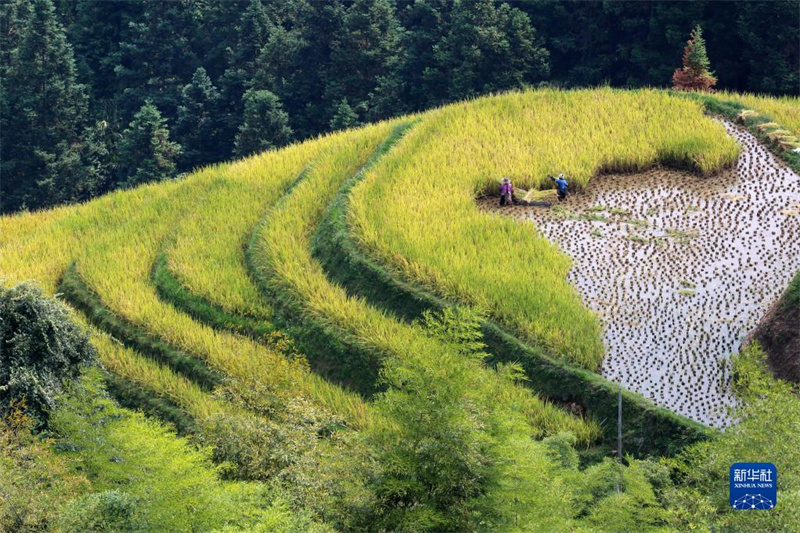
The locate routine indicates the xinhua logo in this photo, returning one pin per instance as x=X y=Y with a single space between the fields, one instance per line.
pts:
x=753 y=486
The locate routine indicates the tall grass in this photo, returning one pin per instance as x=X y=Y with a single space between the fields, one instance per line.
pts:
x=283 y=254
x=415 y=211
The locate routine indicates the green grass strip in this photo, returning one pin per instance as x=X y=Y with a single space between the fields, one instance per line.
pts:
x=648 y=429
x=80 y=295
x=170 y=289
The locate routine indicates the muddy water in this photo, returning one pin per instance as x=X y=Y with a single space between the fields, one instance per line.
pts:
x=679 y=269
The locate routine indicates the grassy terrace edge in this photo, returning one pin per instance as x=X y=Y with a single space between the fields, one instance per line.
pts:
x=172 y=291
x=648 y=428
x=730 y=109
x=75 y=291
x=337 y=359
x=135 y=396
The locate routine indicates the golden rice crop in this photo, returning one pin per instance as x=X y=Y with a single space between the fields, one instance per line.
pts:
x=429 y=229
x=784 y=109
x=206 y=250
x=283 y=249
x=432 y=176
x=157 y=378
x=115 y=241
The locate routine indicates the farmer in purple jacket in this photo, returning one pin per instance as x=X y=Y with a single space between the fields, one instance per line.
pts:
x=506 y=192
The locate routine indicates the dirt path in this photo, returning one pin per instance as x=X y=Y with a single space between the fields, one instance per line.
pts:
x=679 y=269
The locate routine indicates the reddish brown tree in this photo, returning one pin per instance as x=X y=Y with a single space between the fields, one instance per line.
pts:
x=695 y=74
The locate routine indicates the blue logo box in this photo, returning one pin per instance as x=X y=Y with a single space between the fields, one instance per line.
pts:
x=753 y=486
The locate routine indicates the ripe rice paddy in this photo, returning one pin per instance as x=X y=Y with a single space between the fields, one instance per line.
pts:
x=427 y=227
x=785 y=109
x=413 y=212
x=680 y=269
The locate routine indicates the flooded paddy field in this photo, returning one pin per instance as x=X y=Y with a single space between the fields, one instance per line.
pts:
x=679 y=268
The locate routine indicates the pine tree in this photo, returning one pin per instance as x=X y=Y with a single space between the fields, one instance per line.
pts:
x=43 y=110
x=254 y=30
x=97 y=153
x=695 y=74
x=265 y=124
x=363 y=53
x=200 y=122
x=486 y=48
x=426 y=22
x=13 y=15
x=145 y=151
x=156 y=59
x=302 y=81
x=345 y=117
x=244 y=72
x=770 y=49
x=96 y=35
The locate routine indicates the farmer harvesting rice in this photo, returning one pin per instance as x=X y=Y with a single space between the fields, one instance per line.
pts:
x=506 y=192
x=561 y=186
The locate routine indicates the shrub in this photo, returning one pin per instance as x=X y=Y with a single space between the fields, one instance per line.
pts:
x=170 y=484
x=268 y=433
x=110 y=510
x=454 y=453
x=34 y=481
x=41 y=349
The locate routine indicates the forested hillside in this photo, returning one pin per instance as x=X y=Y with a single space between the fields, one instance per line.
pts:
x=101 y=95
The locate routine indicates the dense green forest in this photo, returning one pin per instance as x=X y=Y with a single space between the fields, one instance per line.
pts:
x=101 y=95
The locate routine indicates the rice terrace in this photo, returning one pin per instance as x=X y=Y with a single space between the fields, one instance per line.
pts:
x=530 y=308
x=681 y=269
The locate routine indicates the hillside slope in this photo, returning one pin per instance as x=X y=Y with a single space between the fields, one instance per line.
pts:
x=341 y=318
x=195 y=232
x=779 y=334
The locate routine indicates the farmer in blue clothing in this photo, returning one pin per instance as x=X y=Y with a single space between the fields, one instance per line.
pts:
x=561 y=186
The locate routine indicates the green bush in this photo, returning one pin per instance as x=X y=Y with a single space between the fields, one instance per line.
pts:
x=41 y=349
x=169 y=483
x=455 y=452
x=35 y=482
x=107 y=511
x=268 y=435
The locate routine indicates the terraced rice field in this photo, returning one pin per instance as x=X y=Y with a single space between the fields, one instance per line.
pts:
x=184 y=282
x=680 y=269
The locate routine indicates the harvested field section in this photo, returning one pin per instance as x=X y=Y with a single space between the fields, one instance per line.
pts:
x=680 y=269
x=428 y=230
